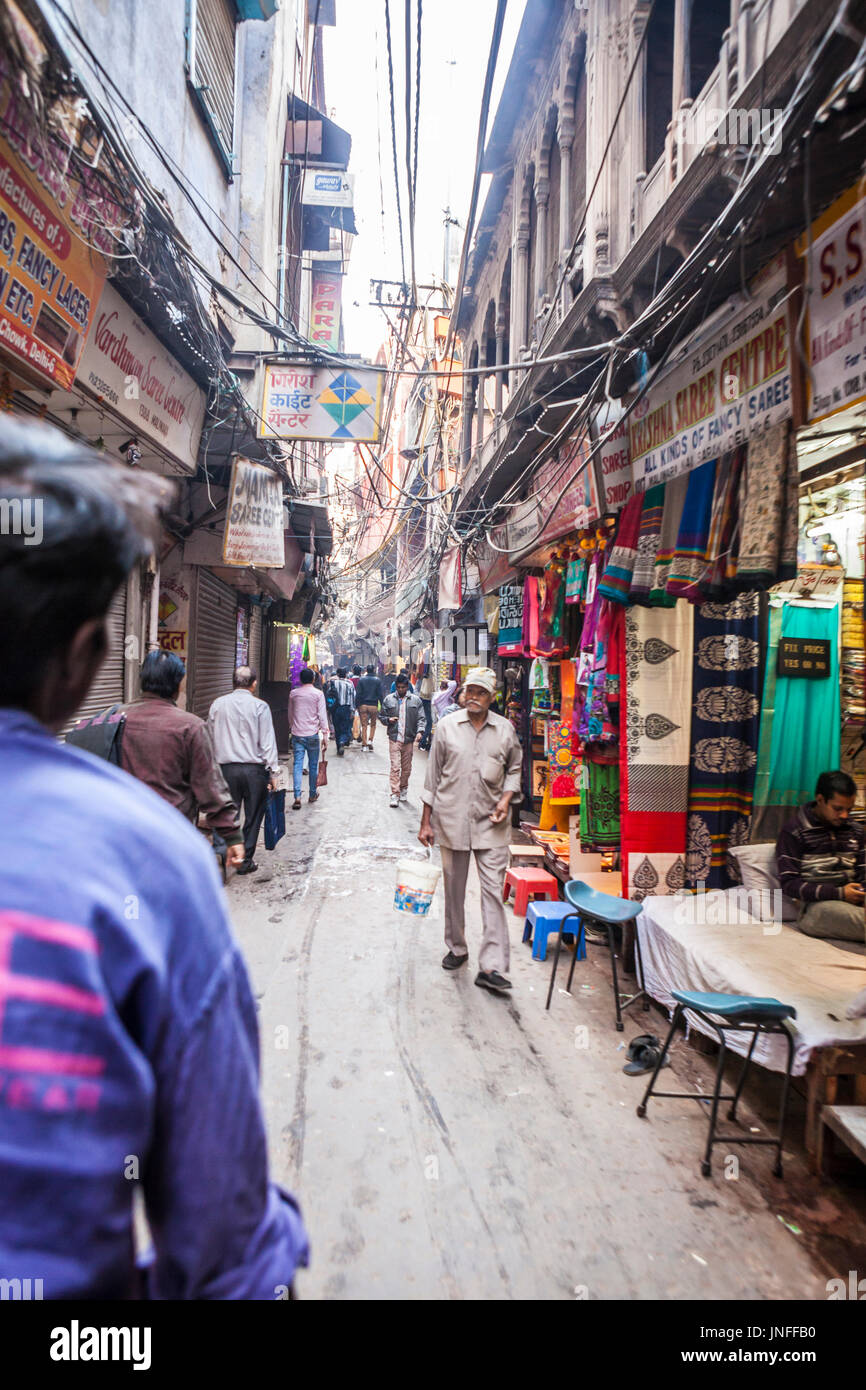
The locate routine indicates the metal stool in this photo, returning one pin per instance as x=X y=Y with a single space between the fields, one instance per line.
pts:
x=744 y=1014
x=604 y=911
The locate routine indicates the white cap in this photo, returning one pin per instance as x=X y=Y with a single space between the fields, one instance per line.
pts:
x=483 y=676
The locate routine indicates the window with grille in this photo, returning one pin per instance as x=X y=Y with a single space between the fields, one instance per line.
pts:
x=210 y=67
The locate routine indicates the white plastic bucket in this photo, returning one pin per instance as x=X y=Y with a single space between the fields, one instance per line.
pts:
x=416 y=884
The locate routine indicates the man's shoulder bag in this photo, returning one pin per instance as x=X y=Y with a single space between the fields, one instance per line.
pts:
x=101 y=734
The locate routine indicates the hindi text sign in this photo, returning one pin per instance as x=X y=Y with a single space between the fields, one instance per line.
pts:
x=255 y=521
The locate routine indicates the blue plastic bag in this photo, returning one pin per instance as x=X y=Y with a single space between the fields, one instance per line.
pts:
x=275 y=819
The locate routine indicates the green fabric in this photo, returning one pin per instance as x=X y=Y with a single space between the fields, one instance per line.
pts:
x=599 y=804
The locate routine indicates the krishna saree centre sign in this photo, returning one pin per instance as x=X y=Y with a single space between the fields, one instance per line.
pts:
x=725 y=386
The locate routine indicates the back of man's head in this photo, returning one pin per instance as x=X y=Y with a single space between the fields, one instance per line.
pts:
x=161 y=674
x=307 y=676
x=72 y=526
x=341 y=673
x=244 y=677
x=371 y=670
x=356 y=670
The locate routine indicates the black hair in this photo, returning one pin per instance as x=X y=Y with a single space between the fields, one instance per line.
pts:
x=307 y=676
x=832 y=784
x=341 y=673
x=398 y=680
x=356 y=670
x=161 y=674
x=96 y=520
x=371 y=670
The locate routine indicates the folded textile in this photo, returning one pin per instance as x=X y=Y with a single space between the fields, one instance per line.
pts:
x=689 y=561
x=675 y=497
x=763 y=517
x=648 y=540
x=616 y=580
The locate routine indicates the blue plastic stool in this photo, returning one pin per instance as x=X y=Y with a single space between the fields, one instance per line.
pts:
x=725 y=1013
x=543 y=919
x=603 y=911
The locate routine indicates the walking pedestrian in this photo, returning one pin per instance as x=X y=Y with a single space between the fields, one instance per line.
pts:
x=473 y=778
x=425 y=688
x=135 y=1031
x=368 y=696
x=343 y=710
x=308 y=721
x=246 y=747
x=172 y=752
x=403 y=712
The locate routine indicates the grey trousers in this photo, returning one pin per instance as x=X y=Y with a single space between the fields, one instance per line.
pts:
x=840 y=920
x=495 y=953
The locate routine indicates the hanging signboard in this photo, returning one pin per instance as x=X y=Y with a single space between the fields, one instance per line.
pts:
x=124 y=365
x=255 y=519
x=724 y=387
x=835 y=259
x=325 y=305
x=612 y=428
x=510 y=620
x=332 y=403
x=54 y=228
x=331 y=188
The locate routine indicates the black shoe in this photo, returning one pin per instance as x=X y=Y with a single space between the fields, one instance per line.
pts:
x=249 y=866
x=491 y=979
x=340 y=752
x=296 y=804
x=452 y=962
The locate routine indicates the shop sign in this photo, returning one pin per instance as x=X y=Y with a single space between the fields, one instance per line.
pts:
x=836 y=320
x=128 y=368
x=523 y=526
x=174 y=641
x=329 y=188
x=494 y=566
x=52 y=237
x=725 y=387
x=322 y=403
x=804 y=656
x=579 y=504
x=614 y=458
x=255 y=521
x=510 y=620
x=325 y=306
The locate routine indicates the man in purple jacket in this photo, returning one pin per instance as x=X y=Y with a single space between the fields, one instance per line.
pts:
x=128 y=1039
x=821 y=859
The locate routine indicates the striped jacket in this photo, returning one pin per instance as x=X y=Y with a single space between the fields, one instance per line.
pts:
x=816 y=861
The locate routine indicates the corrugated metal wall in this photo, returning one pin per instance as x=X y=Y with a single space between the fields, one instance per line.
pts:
x=214 y=67
x=107 y=688
x=213 y=641
x=256 y=641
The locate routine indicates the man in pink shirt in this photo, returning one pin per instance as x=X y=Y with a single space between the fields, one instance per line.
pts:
x=308 y=721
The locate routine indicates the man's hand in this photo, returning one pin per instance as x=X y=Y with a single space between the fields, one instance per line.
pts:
x=425 y=834
x=500 y=810
x=234 y=856
x=272 y=784
x=853 y=893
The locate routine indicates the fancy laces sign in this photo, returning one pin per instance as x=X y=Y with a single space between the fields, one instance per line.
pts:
x=127 y=368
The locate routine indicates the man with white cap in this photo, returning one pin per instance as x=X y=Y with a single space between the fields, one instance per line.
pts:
x=473 y=776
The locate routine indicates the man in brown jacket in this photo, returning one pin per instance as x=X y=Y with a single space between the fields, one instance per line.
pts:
x=171 y=751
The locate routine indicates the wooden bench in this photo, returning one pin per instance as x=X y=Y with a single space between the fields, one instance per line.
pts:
x=848 y=1123
x=829 y=1068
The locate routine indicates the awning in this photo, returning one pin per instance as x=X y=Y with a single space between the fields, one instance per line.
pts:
x=312 y=526
x=312 y=138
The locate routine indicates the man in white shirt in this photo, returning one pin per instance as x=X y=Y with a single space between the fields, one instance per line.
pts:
x=242 y=729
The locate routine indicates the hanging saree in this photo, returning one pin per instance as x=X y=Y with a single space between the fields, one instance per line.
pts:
x=563 y=765
x=594 y=723
x=689 y=560
x=675 y=497
x=763 y=517
x=530 y=614
x=648 y=540
x=800 y=722
x=551 y=613
x=724 y=740
x=599 y=806
x=575 y=579
x=724 y=527
x=616 y=580
x=654 y=748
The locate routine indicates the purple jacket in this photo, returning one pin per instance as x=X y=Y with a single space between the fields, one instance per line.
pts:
x=128 y=1045
x=815 y=862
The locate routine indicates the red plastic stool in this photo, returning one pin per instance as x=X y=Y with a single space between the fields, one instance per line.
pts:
x=537 y=883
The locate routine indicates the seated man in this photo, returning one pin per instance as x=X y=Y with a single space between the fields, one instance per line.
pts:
x=821 y=856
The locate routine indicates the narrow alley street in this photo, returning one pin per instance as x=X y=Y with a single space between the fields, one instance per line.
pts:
x=446 y=1143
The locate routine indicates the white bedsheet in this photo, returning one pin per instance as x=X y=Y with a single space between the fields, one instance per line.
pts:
x=819 y=978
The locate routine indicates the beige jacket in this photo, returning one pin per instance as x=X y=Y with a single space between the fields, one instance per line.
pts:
x=467 y=773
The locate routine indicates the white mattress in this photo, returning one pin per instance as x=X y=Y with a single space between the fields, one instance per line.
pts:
x=819 y=978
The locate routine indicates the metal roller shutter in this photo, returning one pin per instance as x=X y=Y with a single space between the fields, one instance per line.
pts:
x=212 y=66
x=213 y=641
x=256 y=635
x=107 y=688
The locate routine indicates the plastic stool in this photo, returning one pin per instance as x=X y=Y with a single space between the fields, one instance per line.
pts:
x=605 y=912
x=725 y=1013
x=537 y=882
x=544 y=919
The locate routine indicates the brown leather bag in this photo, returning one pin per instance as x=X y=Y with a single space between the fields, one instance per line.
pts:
x=322 y=777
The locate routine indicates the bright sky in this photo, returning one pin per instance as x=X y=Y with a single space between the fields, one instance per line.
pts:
x=455 y=42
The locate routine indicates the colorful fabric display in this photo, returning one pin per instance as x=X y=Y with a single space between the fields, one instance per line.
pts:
x=726 y=709
x=675 y=498
x=655 y=725
x=599 y=806
x=564 y=765
x=724 y=527
x=551 y=613
x=800 y=722
x=616 y=579
x=539 y=686
x=530 y=614
x=648 y=540
x=595 y=724
x=575 y=579
x=689 y=562
x=763 y=509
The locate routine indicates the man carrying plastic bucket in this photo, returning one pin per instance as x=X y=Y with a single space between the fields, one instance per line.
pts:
x=473 y=776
